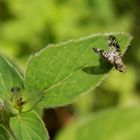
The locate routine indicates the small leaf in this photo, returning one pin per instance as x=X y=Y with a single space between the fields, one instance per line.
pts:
x=68 y=70
x=31 y=100
x=9 y=77
x=28 y=126
x=10 y=108
x=3 y=133
x=117 y=124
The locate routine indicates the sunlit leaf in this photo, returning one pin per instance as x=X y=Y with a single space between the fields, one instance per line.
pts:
x=68 y=70
x=29 y=126
x=9 y=77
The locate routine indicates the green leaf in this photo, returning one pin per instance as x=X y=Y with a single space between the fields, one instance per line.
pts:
x=9 y=77
x=28 y=126
x=31 y=100
x=117 y=124
x=3 y=133
x=68 y=70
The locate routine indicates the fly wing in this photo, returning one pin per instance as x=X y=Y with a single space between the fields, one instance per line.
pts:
x=98 y=51
x=113 y=44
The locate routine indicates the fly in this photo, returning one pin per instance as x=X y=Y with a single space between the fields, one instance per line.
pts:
x=113 y=55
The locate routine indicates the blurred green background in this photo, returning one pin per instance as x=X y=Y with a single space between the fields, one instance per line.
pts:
x=26 y=26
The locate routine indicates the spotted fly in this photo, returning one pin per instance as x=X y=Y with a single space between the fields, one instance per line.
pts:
x=113 y=55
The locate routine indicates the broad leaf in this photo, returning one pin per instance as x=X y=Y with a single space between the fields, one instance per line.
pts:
x=3 y=133
x=28 y=126
x=68 y=70
x=117 y=124
x=9 y=77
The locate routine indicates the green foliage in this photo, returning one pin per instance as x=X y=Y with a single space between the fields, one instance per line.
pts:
x=55 y=76
x=28 y=126
x=3 y=133
x=113 y=124
x=9 y=77
x=33 y=24
x=27 y=26
x=66 y=71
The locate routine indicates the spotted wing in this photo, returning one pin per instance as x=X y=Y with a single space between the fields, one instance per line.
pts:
x=113 y=44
